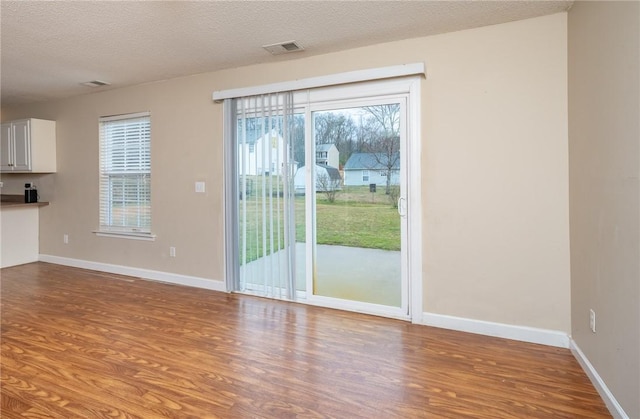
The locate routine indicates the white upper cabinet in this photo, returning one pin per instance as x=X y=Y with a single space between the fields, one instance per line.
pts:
x=6 y=158
x=28 y=145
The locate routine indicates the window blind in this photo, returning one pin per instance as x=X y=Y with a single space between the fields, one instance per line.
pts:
x=262 y=198
x=125 y=173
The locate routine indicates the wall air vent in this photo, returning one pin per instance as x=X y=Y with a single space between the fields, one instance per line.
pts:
x=95 y=83
x=283 y=47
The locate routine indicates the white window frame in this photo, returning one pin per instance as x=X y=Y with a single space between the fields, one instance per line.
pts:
x=136 y=169
x=365 y=175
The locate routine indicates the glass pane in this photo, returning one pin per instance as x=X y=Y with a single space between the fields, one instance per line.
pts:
x=357 y=186
x=267 y=202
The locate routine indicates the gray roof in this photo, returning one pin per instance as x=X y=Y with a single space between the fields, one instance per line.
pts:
x=371 y=161
x=334 y=174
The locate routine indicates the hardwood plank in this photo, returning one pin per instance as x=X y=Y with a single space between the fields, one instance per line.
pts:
x=79 y=343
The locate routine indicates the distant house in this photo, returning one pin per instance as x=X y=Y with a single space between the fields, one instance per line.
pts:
x=327 y=178
x=368 y=168
x=327 y=155
x=262 y=155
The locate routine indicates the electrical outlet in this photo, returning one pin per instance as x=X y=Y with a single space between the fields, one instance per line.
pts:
x=172 y=251
x=592 y=320
x=65 y=239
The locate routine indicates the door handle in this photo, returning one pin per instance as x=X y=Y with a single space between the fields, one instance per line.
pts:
x=401 y=207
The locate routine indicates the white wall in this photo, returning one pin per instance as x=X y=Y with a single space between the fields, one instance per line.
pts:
x=495 y=184
x=604 y=139
x=496 y=176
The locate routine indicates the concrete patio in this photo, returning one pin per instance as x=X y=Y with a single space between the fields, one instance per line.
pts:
x=350 y=273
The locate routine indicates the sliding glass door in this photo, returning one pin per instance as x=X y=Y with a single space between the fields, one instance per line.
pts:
x=318 y=211
x=266 y=131
x=356 y=206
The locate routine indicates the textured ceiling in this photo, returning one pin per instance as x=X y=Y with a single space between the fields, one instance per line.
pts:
x=49 y=48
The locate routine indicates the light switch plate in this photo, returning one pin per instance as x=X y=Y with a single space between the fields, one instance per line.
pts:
x=200 y=187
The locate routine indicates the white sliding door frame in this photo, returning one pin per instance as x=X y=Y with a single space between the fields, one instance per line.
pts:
x=401 y=312
x=407 y=88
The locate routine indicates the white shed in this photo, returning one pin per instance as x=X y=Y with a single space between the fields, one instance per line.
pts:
x=327 y=178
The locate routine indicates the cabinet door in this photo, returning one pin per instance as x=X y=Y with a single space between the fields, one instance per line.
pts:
x=22 y=145
x=6 y=150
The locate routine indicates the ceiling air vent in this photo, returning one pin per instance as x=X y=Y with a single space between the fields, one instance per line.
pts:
x=95 y=83
x=283 y=47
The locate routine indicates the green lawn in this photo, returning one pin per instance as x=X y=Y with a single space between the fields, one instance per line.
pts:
x=357 y=218
x=357 y=224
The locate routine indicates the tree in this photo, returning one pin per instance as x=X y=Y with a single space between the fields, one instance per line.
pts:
x=298 y=139
x=386 y=117
x=335 y=128
x=383 y=130
x=327 y=185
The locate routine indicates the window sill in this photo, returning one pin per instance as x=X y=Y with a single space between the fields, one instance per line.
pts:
x=126 y=235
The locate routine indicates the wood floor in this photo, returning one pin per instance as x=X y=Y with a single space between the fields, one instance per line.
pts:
x=84 y=344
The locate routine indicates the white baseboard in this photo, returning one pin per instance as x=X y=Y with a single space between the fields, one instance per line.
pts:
x=190 y=281
x=500 y=330
x=612 y=404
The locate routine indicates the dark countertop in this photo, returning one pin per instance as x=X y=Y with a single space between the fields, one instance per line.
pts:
x=17 y=201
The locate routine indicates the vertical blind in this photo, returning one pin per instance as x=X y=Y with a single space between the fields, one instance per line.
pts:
x=125 y=173
x=264 y=172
